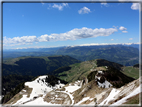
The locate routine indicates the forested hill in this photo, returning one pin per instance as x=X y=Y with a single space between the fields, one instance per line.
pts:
x=36 y=65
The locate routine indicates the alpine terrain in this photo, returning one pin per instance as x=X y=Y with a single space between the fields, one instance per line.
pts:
x=96 y=83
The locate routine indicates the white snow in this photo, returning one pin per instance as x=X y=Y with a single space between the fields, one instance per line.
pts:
x=24 y=90
x=96 y=77
x=133 y=93
x=72 y=88
x=105 y=84
x=91 y=99
x=111 y=96
x=38 y=88
x=59 y=85
x=84 y=99
x=101 y=72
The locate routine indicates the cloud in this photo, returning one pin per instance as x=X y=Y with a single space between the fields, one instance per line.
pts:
x=84 y=10
x=130 y=38
x=125 y=31
x=70 y=35
x=90 y=44
x=135 y=6
x=60 y=6
x=122 y=28
x=98 y=44
x=112 y=39
x=104 y=4
x=20 y=40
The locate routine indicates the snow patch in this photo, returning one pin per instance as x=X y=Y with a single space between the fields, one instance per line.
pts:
x=84 y=99
x=96 y=77
x=72 y=88
x=38 y=88
x=111 y=96
x=101 y=72
x=105 y=84
x=133 y=93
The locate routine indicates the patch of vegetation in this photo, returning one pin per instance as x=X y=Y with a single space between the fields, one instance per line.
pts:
x=103 y=62
x=91 y=76
x=60 y=70
x=12 y=93
x=75 y=71
x=113 y=75
x=9 y=82
x=131 y=72
x=52 y=80
x=133 y=100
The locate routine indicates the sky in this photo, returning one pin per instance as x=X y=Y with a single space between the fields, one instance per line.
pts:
x=43 y=25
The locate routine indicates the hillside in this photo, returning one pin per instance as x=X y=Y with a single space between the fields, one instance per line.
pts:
x=32 y=65
x=81 y=70
x=22 y=69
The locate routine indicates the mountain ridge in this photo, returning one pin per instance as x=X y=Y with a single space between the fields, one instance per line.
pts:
x=125 y=55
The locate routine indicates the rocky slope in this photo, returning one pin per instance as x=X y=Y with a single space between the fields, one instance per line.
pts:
x=80 y=92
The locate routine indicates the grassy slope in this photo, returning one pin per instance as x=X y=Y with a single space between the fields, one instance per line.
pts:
x=133 y=100
x=131 y=71
x=77 y=71
x=81 y=70
x=12 y=61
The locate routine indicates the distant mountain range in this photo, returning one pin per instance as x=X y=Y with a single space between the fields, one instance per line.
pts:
x=127 y=55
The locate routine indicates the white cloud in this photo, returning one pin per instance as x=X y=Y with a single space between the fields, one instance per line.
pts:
x=122 y=28
x=105 y=4
x=20 y=40
x=125 y=31
x=65 y=4
x=84 y=10
x=70 y=35
x=135 y=6
x=77 y=34
x=97 y=44
x=112 y=39
x=60 y=6
x=90 y=44
x=130 y=38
